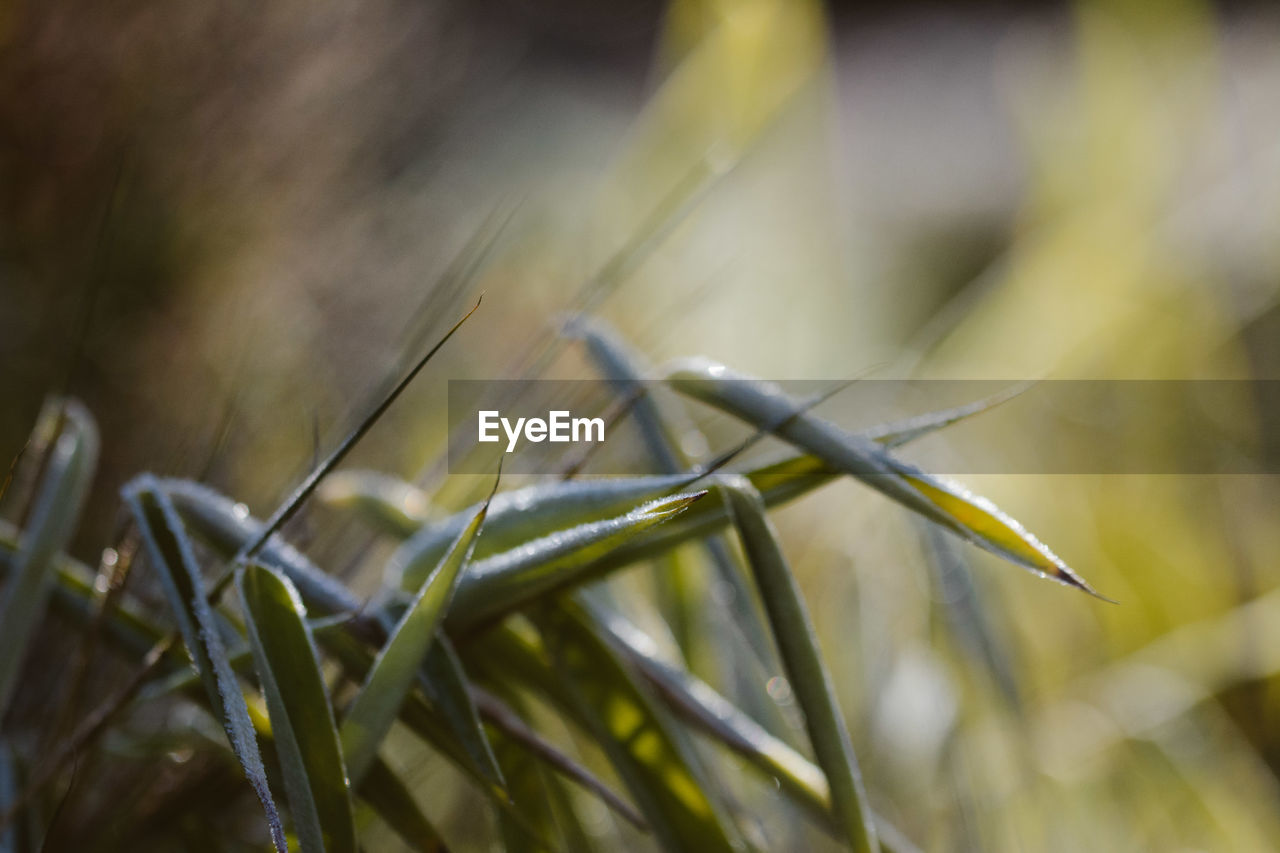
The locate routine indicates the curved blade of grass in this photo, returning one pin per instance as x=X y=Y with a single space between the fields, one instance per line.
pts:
x=645 y=750
x=392 y=505
x=382 y=789
x=513 y=578
x=171 y=554
x=802 y=661
x=58 y=501
x=306 y=736
x=229 y=529
x=378 y=703
x=970 y=516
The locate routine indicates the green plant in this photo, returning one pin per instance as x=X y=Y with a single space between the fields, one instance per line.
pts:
x=491 y=637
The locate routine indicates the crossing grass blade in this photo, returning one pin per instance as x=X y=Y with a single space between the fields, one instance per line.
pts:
x=172 y=555
x=378 y=703
x=509 y=580
x=229 y=529
x=802 y=661
x=969 y=516
x=520 y=515
x=651 y=758
x=698 y=704
x=306 y=736
x=58 y=501
x=514 y=729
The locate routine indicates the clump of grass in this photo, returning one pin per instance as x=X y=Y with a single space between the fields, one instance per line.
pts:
x=492 y=636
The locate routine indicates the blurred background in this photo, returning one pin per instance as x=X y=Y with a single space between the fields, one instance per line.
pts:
x=227 y=226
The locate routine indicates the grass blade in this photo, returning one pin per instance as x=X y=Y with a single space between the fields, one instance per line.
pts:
x=58 y=501
x=171 y=553
x=520 y=515
x=970 y=516
x=306 y=736
x=513 y=578
x=649 y=756
x=378 y=703
x=802 y=661
x=516 y=730
x=697 y=703
x=229 y=529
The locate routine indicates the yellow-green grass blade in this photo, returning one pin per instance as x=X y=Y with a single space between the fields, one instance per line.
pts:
x=588 y=683
x=58 y=501
x=698 y=704
x=306 y=736
x=520 y=515
x=970 y=516
x=514 y=578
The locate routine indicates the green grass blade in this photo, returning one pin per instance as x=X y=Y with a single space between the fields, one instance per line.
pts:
x=171 y=553
x=514 y=578
x=802 y=660
x=970 y=516
x=642 y=744
x=58 y=501
x=378 y=703
x=306 y=736
x=520 y=515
